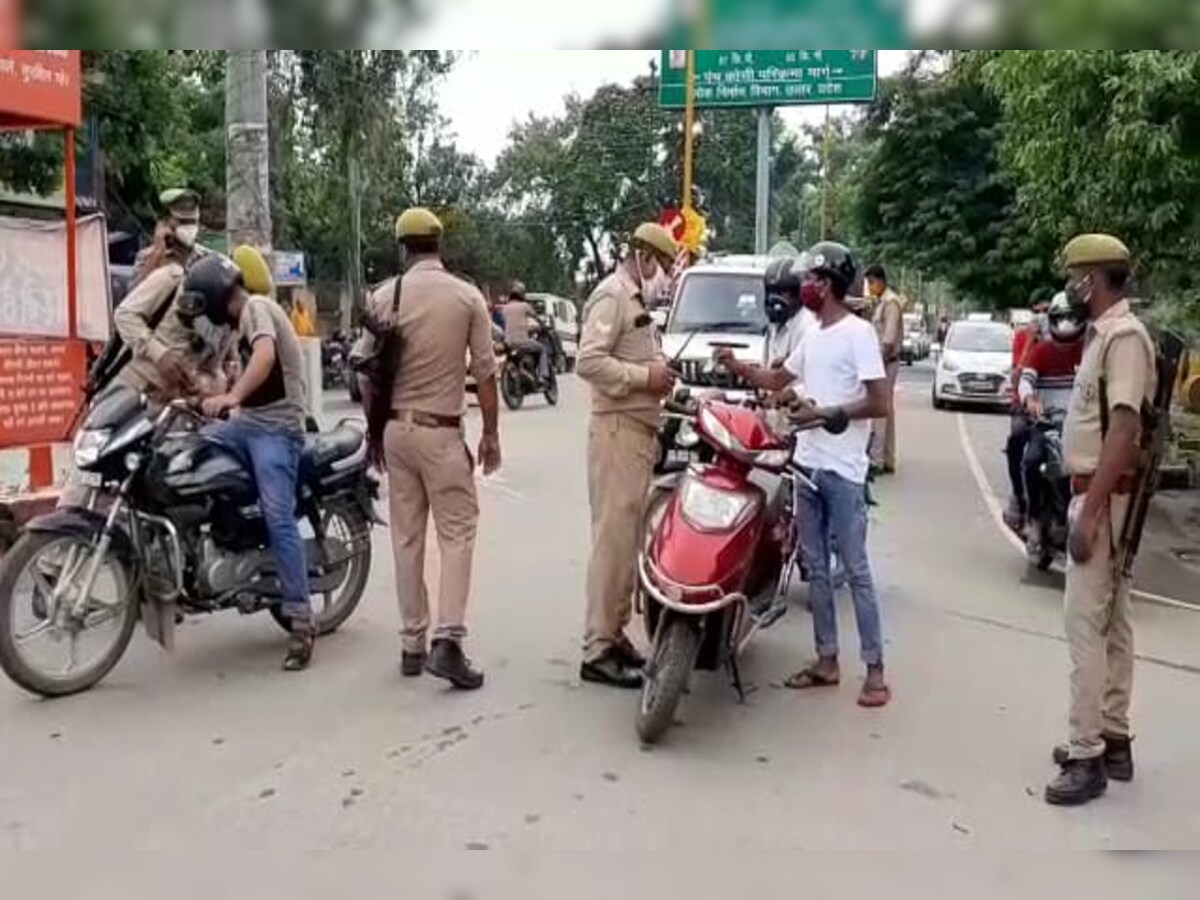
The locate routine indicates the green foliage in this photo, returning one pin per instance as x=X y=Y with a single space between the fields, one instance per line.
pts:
x=934 y=194
x=1110 y=141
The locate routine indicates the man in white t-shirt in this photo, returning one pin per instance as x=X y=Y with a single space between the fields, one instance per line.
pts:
x=841 y=367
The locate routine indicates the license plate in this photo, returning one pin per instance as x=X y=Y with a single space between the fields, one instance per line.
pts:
x=979 y=387
x=90 y=479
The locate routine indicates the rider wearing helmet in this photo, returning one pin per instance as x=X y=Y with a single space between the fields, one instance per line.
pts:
x=1047 y=379
x=268 y=405
x=841 y=368
x=788 y=317
x=518 y=315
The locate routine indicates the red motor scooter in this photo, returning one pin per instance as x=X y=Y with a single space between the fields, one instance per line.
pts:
x=718 y=553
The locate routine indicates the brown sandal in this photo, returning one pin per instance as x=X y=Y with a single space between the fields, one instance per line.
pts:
x=811 y=679
x=874 y=697
x=300 y=650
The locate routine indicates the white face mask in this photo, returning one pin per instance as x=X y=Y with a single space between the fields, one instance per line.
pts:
x=187 y=234
x=649 y=286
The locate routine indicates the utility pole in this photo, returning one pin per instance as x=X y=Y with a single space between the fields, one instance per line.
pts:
x=247 y=182
x=762 y=187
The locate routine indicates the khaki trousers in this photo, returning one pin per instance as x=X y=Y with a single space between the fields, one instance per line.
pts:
x=621 y=453
x=883 y=442
x=430 y=470
x=1100 y=639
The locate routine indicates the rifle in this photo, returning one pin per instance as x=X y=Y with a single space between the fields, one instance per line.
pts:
x=1156 y=432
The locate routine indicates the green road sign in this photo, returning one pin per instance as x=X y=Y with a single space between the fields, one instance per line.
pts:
x=729 y=78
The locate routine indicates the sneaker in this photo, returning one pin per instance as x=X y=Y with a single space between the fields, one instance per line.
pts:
x=447 y=660
x=1014 y=516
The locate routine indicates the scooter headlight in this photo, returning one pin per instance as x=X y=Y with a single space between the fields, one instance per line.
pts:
x=89 y=445
x=709 y=509
x=687 y=437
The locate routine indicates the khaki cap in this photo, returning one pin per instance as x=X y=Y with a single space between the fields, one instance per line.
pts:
x=256 y=274
x=180 y=200
x=417 y=222
x=1094 y=250
x=654 y=237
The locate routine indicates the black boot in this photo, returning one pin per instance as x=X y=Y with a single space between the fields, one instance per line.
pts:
x=629 y=654
x=611 y=670
x=1118 y=757
x=447 y=660
x=300 y=647
x=412 y=664
x=1079 y=782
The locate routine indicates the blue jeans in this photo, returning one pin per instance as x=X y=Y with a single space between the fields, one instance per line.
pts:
x=273 y=456
x=835 y=515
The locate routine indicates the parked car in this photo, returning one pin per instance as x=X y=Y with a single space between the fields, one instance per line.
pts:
x=975 y=366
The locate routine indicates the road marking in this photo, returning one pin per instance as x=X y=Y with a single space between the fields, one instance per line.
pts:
x=996 y=508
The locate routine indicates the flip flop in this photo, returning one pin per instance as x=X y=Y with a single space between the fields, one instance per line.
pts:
x=811 y=679
x=874 y=697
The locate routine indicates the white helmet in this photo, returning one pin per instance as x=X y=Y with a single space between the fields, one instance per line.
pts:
x=1065 y=325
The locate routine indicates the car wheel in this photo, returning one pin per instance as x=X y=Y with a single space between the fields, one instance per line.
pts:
x=938 y=402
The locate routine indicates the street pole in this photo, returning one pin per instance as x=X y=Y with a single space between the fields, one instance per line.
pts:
x=825 y=179
x=689 y=121
x=247 y=183
x=762 y=194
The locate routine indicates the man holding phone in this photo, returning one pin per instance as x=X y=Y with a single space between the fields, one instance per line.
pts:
x=175 y=235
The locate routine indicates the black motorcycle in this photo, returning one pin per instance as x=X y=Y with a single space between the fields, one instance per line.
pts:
x=1046 y=537
x=173 y=528
x=519 y=371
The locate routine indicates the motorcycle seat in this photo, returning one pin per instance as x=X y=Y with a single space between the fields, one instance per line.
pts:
x=327 y=448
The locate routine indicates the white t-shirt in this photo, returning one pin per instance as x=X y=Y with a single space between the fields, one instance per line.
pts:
x=834 y=364
x=785 y=340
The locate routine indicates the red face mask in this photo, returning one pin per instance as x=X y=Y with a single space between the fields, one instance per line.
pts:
x=812 y=296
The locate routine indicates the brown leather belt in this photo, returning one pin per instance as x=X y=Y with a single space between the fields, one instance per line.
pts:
x=426 y=420
x=1127 y=484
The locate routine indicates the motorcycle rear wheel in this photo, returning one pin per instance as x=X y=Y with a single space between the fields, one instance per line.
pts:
x=667 y=676
x=511 y=387
x=19 y=562
x=356 y=530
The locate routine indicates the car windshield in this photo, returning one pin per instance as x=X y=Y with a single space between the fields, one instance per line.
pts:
x=980 y=339
x=720 y=301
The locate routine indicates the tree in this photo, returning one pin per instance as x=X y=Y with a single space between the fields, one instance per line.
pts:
x=934 y=194
x=1110 y=140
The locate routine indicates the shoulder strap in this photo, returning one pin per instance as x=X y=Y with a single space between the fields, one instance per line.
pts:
x=164 y=307
x=396 y=294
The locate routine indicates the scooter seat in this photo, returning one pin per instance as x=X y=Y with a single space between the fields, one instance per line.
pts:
x=321 y=450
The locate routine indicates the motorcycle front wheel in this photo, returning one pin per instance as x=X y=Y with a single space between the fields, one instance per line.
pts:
x=667 y=675
x=551 y=392
x=30 y=574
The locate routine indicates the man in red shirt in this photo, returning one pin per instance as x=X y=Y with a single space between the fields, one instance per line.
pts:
x=1023 y=340
x=1046 y=377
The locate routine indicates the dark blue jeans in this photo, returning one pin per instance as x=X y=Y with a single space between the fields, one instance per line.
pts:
x=835 y=516
x=273 y=456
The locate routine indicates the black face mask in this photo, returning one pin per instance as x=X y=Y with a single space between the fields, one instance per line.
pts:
x=780 y=309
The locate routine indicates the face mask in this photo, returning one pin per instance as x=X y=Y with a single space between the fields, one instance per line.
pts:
x=812 y=296
x=1079 y=295
x=647 y=285
x=187 y=234
x=780 y=309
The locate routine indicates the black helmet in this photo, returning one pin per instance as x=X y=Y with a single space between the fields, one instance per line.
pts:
x=784 y=275
x=836 y=262
x=208 y=287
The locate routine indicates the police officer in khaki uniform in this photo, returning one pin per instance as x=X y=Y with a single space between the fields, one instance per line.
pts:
x=430 y=469
x=888 y=318
x=619 y=356
x=175 y=235
x=1102 y=446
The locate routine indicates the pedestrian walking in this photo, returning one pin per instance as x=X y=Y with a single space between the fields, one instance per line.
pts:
x=888 y=318
x=416 y=421
x=1102 y=440
x=840 y=365
x=620 y=357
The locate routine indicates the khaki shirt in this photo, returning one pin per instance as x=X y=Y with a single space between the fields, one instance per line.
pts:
x=441 y=320
x=202 y=343
x=1120 y=351
x=889 y=322
x=516 y=320
x=144 y=262
x=618 y=344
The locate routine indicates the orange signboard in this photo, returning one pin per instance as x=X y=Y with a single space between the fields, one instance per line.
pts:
x=39 y=390
x=40 y=87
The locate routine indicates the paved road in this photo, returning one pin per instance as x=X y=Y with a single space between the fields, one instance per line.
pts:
x=217 y=750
